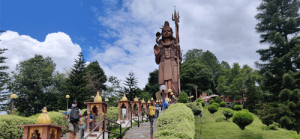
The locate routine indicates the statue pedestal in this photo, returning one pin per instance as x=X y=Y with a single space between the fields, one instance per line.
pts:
x=44 y=131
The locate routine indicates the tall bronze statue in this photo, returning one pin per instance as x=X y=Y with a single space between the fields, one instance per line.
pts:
x=168 y=56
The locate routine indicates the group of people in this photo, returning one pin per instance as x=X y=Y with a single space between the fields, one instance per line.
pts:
x=77 y=121
x=79 y=125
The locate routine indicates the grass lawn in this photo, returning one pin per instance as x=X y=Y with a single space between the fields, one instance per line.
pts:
x=229 y=130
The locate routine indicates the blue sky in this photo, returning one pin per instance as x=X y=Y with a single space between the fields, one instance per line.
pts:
x=120 y=35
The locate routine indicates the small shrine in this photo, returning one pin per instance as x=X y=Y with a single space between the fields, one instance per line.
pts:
x=152 y=100
x=43 y=129
x=98 y=107
x=123 y=103
x=135 y=103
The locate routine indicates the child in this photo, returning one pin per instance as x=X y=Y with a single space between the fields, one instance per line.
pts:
x=83 y=124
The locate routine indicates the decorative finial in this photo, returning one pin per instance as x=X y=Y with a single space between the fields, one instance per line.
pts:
x=98 y=98
x=124 y=98
x=44 y=118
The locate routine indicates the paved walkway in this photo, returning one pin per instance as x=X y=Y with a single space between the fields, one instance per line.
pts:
x=142 y=132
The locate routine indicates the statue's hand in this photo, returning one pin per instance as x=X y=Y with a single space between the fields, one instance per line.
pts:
x=156 y=50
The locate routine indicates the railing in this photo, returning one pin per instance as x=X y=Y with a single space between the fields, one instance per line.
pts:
x=108 y=120
x=94 y=130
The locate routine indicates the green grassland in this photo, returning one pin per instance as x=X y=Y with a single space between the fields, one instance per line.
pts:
x=229 y=130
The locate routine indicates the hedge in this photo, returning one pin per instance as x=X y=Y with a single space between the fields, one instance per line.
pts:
x=9 y=129
x=237 y=107
x=195 y=107
x=176 y=122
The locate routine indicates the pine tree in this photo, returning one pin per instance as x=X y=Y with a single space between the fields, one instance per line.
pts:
x=76 y=85
x=96 y=77
x=279 y=20
x=3 y=80
x=131 y=82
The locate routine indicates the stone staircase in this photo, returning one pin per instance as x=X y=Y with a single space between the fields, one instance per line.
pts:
x=142 y=132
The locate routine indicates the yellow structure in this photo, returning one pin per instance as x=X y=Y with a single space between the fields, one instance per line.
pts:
x=124 y=98
x=143 y=101
x=44 y=118
x=98 y=98
x=135 y=99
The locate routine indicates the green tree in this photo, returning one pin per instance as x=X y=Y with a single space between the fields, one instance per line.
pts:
x=192 y=54
x=76 y=84
x=239 y=83
x=3 y=80
x=96 y=77
x=183 y=97
x=152 y=85
x=218 y=99
x=115 y=89
x=278 y=25
x=194 y=73
x=33 y=82
x=131 y=90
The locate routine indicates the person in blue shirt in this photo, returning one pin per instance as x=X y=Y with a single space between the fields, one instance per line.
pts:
x=165 y=104
x=91 y=117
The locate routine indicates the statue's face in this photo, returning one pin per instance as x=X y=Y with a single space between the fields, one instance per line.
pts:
x=167 y=33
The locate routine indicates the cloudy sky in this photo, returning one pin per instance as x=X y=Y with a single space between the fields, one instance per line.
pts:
x=120 y=35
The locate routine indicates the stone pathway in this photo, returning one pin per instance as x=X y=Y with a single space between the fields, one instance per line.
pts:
x=142 y=132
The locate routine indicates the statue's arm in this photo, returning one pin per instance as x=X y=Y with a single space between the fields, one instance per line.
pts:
x=157 y=52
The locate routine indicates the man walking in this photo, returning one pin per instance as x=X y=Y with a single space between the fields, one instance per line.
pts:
x=151 y=116
x=73 y=118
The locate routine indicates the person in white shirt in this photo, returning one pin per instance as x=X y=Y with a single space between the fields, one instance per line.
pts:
x=124 y=112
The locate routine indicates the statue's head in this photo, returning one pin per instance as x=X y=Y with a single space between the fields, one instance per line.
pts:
x=167 y=31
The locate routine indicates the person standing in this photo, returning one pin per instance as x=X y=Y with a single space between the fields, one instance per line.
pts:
x=73 y=118
x=82 y=124
x=124 y=112
x=151 y=116
x=157 y=110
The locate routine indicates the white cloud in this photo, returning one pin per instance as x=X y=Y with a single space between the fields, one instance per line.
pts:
x=226 y=28
x=58 y=46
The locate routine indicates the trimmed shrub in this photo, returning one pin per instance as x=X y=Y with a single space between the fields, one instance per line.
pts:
x=176 y=122
x=195 y=107
x=203 y=103
x=212 y=101
x=237 y=107
x=199 y=100
x=286 y=122
x=273 y=127
x=216 y=104
x=243 y=118
x=222 y=104
x=232 y=105
x=219 y=120
x=228 y=113
x=212 y=109
x=183 y=97
x=218 y=99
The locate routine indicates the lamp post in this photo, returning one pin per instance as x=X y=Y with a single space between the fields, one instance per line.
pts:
x=163 y=88
x=196 y=91
x=67 y=97
x=13 y=97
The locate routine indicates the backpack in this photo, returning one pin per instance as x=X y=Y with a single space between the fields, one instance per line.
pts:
x=74 y=117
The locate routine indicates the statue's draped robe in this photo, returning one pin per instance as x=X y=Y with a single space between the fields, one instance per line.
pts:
x=168 y=70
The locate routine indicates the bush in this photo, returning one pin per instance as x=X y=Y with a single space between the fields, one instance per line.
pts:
x=9 y=129
x=219 y=120
x=195 y=107
x=222 y=104
x=228 y=113
x=203 y=103
x=183 y=97
x=216 y=104
x=286 y=122
x=199 y=100
x=212 y=101
x=176 y=122
x=212 y=109
x=297 y=136
x=273 y=127
x=243 y=118
x=237 y=107
x=218 y=99
x=232 y=105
